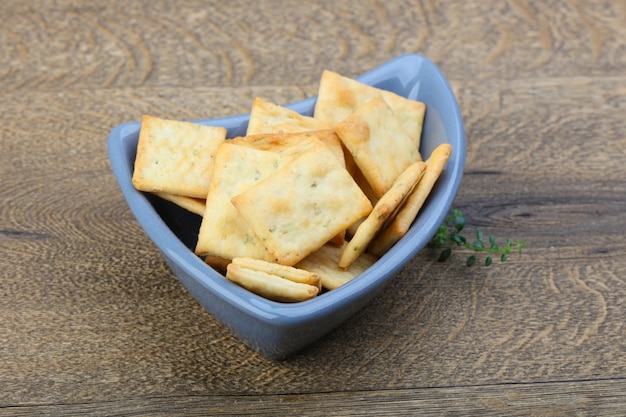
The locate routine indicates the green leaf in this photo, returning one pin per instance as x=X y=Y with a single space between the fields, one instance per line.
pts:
x=458 y=239
x=449 y=234
x=459 y=222
x=444 y=255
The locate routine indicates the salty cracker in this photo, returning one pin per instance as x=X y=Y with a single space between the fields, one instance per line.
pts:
x=175 y=157
x=223 y=232
x=380 y=146
x=303 y=205
x=340 y=96
x=191 y=204
x=332 y=140
x=294 y=144
x=324 y=262
x=392 y=233
x=384 y=209
x=267 y=117
x=270 y=286
x=288 y=272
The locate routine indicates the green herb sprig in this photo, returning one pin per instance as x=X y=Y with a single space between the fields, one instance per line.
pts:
x=449 y=235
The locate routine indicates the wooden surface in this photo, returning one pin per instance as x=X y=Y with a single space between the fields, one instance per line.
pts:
x=93 y=322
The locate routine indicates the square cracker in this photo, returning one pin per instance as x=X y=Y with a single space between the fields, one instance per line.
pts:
x=287 y=272
x=393 y=232
x=380 y=146
x=383 y=211
x=325 y=263
x=292 y=143
x=303 y=205
x=269 y=285
x=223 y=232
x=340 y=96
x=295 y=143
x=267 y=117
x=175 y=157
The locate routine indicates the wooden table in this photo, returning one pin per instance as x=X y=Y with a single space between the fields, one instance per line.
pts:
x=93 y=321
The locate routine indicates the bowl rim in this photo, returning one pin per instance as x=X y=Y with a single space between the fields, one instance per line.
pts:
x=292 y=314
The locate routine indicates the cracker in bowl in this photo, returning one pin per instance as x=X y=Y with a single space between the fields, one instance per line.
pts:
x=340 y=96
x=223 y=232
x=303 y=205
x=267 y=117
x=378 y=143
x=383 y=211
x=175 y=157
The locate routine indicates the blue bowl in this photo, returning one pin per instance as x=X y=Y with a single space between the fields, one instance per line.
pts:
x=278 y=330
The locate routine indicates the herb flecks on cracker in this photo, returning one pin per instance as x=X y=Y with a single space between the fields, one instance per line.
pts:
x=175 y=157
x=378 y=143
x=223 y=232
x=303 y=205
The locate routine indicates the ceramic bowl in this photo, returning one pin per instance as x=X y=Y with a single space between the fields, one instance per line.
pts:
x=278 y=330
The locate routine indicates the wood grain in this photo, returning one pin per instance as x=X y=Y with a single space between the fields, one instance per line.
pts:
x=93 y=321
x=161 y=43
x=598 y=398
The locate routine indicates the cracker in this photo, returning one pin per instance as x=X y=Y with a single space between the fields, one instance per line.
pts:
x=191 y=204
x=175 y=157
x=270 y=286
x=287 y=272
x=303 y=205
x=217 y=262
x=384 y=209
x=223 y=232
x=332 y=140
x=266 y=117
x=380 y=146
x=403 y=220
x=340 y=96
x=324 y=262
x=294 y=144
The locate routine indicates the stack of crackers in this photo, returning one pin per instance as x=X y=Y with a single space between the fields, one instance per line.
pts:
x=299 y=204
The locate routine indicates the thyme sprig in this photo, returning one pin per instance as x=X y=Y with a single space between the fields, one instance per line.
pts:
x=449 y=235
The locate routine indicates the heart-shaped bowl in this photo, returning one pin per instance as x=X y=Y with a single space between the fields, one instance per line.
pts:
x=278 y=330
